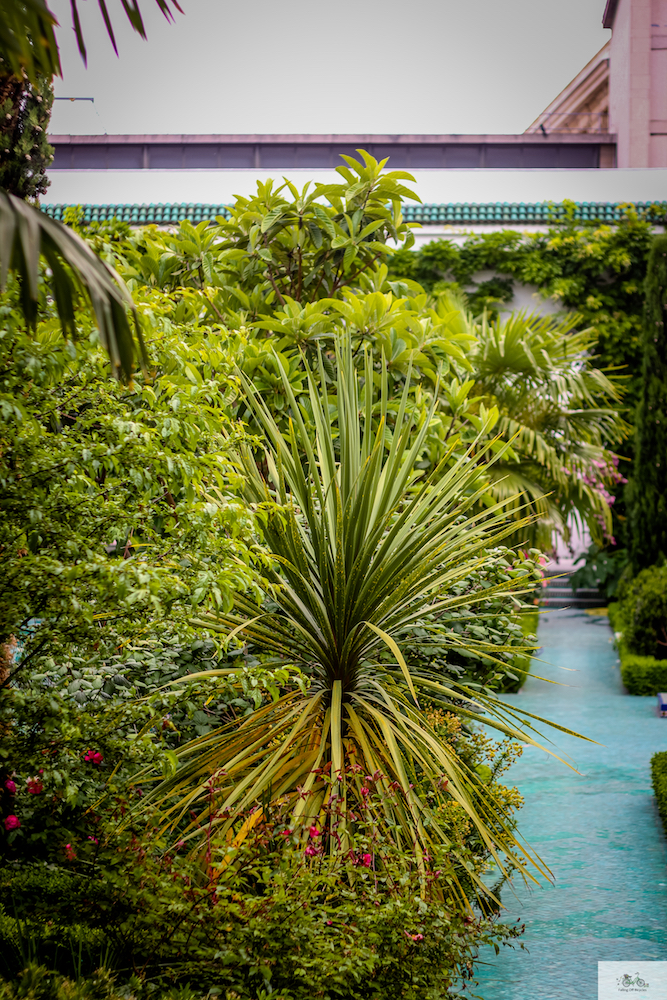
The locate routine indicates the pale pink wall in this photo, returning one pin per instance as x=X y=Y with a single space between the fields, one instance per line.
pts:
x=658 y=92
x=638 y=83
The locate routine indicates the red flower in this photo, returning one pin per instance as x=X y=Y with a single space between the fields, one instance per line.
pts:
x=70 y=853
x=12 y=823
x=35 y=786
x=367 y=860
x=314 y=832
x=94 y=756
x=365 y=791
x=310 y=851
x=10 y=786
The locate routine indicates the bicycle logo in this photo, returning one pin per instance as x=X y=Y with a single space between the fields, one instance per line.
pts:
x=626 y=981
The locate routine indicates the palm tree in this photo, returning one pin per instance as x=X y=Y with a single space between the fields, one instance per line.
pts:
x=561 y=414
x=28 y=48
x=367 y=550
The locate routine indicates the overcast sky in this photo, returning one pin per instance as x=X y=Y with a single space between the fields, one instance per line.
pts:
x=360 y=66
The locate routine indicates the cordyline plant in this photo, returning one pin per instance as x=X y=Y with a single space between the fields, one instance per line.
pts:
x=368 y=549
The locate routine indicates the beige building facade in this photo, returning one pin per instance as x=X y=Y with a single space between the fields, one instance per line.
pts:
x=622 y=90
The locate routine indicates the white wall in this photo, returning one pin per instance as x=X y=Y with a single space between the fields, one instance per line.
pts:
x=211 y=186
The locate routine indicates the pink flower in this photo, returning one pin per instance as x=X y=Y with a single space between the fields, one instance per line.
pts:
x=70 y=853
x=415 y=937
x=310 y=851
x=314 y=832
x=365 y=791
x=285 y=833
x=10 y=786
x=94 y=756
x=35 y=786
x=12 y=823
x=367 y=860
x=94 y=840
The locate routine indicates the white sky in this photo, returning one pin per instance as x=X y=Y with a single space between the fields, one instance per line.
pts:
x=360 y=66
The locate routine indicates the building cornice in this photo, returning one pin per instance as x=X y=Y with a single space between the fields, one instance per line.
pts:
x=609 y=14
x=343 y=140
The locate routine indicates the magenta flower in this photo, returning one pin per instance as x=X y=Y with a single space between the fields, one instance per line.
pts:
x=93 y=756
x=70 y=853
x=310 y=851
x=10 y=786
x=415 y=937
x=365 y=791
x=12 y=823
x=367 y=860
x=314 y=832
x=35 y=786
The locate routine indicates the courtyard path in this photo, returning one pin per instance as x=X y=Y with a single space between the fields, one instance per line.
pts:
x=599 y=830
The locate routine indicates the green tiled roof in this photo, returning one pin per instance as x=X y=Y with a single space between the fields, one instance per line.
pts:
x=448 y=213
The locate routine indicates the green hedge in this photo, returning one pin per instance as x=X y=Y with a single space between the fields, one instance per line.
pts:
x=521 y=664
x=659 y=778
x=641 y=675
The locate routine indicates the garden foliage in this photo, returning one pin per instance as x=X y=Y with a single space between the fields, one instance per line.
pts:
x=103 y=526
x=87 y=881
x=365 y=552
x=273 y=584
x=594 y=270
x=659 y=778
x=639 y=620
x=648 y=487
x=138 y=518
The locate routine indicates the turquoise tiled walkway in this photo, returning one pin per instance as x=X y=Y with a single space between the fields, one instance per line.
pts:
x=598 y=830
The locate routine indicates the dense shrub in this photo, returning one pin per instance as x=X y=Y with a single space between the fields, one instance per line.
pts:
x=645 y=613
x=647 y=490
x=273 y=915
x=659 y=779
x=596 y=271
x=506 y=625
x=516 y=677
x=641 y=675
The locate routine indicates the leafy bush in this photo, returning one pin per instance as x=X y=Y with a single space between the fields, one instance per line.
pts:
x=105 y=529
x=38 y=982
x=77 y=730
x=272 y=915
x=502 y=624
x=641 y=675
x=659 y=779
x=597 y=270
x=645 y=613
x=602 y=569
x=521 y=663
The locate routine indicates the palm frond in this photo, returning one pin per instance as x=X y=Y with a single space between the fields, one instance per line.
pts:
x=28 y=40
x=560 y=412
x=27 y=234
